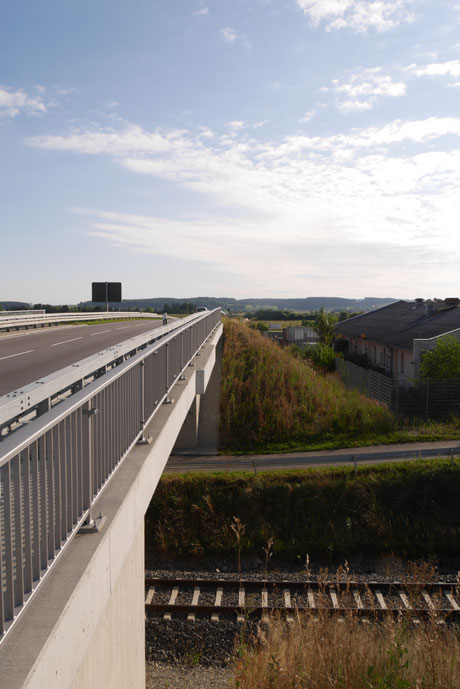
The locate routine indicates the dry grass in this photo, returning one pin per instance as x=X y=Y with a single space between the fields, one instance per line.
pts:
x=320 y=652
x=269 y=396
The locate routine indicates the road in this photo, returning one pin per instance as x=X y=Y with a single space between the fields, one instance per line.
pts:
x=303 y=460
x=29 y=356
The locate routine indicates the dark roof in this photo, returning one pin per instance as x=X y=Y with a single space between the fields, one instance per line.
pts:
x=400 y=323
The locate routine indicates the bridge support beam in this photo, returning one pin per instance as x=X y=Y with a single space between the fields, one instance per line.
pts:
x=84 y=626
x=200 y=432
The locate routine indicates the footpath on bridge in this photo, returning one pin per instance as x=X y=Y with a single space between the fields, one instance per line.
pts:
x=203 y=461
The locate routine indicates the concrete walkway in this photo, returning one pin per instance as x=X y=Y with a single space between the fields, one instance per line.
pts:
x=362 y=455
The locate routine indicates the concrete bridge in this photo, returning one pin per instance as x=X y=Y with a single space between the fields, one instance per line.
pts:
x=75 y=483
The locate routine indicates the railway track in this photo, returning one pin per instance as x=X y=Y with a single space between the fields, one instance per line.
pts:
x=218 y=598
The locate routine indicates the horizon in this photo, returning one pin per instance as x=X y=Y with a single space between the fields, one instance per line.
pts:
x=310 y=145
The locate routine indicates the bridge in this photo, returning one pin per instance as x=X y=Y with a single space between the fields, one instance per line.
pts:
x=79 y=463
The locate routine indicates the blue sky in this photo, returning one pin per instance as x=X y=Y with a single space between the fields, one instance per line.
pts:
x=245 y=148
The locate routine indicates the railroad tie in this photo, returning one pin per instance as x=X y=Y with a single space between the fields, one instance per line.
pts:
x=217 y=604
x=150 y=594
x=288 y=604
x=381 y=600
x=311 y=599
x=172 y=601
x=241 y=597
x=196 y=596
x=264 y=604
x=452 y=601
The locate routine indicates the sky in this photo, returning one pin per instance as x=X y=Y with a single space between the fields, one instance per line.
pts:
x=241 y=148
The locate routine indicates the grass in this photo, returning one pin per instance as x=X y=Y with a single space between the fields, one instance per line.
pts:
x=274 y=402
x=269 y=398
x=408 y=509
x=322 y=651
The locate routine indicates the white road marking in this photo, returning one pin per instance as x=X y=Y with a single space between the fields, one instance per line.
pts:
x=65 y=341
x=124 y=327
x=17 y=354
x=101 y=331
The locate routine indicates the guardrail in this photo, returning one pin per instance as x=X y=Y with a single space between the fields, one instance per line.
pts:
x=38 y=397
x=23 y=312
x=52 y=470
x=39 y=319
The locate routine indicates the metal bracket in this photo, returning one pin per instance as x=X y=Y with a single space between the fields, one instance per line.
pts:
x=168 y=401
x=91 y=412
x=94 y=526
x=145 y=440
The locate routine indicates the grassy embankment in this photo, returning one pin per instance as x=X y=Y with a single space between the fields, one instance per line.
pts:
x=273 y=402
x=409 y=509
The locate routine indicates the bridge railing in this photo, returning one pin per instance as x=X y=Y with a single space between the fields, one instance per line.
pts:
x=14 y=320
x=52 y=470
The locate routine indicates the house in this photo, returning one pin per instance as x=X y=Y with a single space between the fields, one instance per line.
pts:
x=394 y=336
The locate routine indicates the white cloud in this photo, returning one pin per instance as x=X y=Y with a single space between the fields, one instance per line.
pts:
x=436 y=69
x=236 y=124
x=358 y=15
x=308 y=116
x=228 y=34
x=364 y=88
x=383 y=189
x=12 y=103
x=202 y=12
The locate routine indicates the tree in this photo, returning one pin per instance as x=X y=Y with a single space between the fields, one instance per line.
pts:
x=442 y=362
x=324 y=328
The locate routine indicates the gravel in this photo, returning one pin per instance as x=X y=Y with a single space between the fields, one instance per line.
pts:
x=182 y=654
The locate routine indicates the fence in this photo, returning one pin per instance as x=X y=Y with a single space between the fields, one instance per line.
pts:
x=423 y=399
x=52 y=471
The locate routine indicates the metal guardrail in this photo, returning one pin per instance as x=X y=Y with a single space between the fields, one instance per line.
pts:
x=23 y=312
x=52 y=470
x=38 y=397
x=8 y=322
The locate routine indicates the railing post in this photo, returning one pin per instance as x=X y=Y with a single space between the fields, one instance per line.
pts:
x=143 y=440
x=91 y=524
x=167 y=400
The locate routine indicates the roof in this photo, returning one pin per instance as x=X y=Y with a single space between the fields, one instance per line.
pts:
x=400 y=323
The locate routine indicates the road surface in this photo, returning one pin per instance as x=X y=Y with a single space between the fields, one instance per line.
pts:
x=33 y=354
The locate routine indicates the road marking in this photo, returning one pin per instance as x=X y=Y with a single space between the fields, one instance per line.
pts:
x=124 y=327
x=65 y=341
x=101 y=331
x=17 y=354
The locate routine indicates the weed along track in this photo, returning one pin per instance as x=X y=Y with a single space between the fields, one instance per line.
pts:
x=219 y=599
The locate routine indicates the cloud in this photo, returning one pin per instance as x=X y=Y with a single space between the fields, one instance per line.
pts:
x=228 y=34
x=382 y=189
x=308 y=116
x=437 y=69
x=202 y=12
x=364 y=88
x=13 y=103
x=357 y=15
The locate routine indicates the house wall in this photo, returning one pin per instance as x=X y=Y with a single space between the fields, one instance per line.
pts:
x=397 y=362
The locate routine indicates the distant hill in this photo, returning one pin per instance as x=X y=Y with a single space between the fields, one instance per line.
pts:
x=236 y=305
x=14 y=305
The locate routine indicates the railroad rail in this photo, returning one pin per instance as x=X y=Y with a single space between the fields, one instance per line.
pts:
x=243 y=597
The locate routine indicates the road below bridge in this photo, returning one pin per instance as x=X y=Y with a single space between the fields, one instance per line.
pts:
x=31 y=355
x=376 y=454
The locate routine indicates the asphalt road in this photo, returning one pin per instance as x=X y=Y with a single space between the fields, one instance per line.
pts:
x=376 y=454
x=29 y=356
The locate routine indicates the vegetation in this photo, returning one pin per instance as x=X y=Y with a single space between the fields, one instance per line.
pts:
x=409 y=509
x=270 y=398
x=442 y=362
x=324 y=651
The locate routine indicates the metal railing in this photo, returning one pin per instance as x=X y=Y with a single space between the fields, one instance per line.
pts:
x=52 y=470
x=15 y=320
